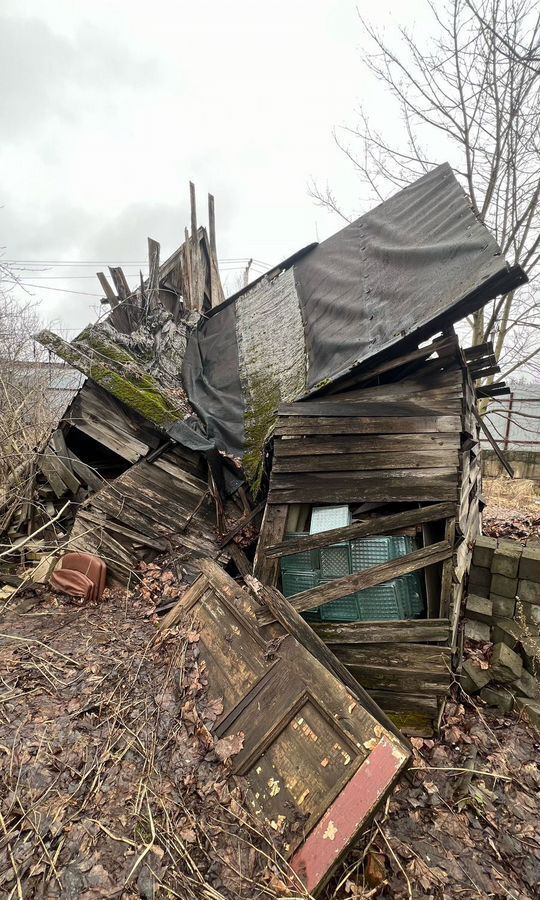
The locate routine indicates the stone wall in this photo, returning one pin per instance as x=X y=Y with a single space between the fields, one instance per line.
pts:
x=503 y=609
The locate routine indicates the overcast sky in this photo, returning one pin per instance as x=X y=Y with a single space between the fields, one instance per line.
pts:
x=108 y=109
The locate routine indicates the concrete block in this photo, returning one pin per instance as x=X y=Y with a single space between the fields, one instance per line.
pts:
x=527 y=685
x=530 y=709
x=506 y=631
x=529 y=566
x=479 y=608
x=530 y=653
x=503 y=607
x=506 y=560
x=503 y=586
x=479 y=580
x=475 y=676
x=499 y=697
x=484 y=549
x=529 y=591
x=506 y=665
x=530 y=612
x=477 y=631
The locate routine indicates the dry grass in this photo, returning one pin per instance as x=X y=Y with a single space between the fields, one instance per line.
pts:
x=516 y=494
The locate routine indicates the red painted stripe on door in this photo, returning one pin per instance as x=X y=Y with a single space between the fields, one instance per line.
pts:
x=343 y=819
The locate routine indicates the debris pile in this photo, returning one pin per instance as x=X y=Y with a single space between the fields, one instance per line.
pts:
x=112 y=783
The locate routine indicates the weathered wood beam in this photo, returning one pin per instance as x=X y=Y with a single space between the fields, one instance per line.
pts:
x=420 y=631
x=478 y=350
x=476 y=374
x=120 y=282
x=153 y=274
x=139 y=391
x=107 y=289
x=380 y=525
x=342 y=587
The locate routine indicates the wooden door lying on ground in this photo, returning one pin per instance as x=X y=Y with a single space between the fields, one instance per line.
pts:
x=314 y=759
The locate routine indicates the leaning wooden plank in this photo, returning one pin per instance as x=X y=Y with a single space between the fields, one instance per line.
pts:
x=380 y=525
x=297 y=425
x=86 y=474
x=57 y=474
x=341 y=587
x=447 y=570
x=440 y=346
x=410 y=630
x=136 y=389
x=120 y=282
x=272 y=530
x=107 y=289
x=493 y=442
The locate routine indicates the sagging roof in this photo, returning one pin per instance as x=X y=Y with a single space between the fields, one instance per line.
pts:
x=396 y=276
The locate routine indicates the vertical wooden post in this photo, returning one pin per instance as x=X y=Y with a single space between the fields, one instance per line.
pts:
x=153 y=273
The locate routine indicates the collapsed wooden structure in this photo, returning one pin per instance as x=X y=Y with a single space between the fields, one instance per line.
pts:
x=212 y=430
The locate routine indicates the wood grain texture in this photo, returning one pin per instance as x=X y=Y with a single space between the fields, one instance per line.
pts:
x=408 y=631
x=378 y=525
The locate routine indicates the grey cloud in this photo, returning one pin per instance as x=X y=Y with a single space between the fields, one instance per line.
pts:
x=46 y=76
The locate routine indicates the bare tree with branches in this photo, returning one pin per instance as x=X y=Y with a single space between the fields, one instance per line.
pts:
x=471 y=95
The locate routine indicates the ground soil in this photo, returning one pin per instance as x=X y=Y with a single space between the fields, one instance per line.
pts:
x=112 y=784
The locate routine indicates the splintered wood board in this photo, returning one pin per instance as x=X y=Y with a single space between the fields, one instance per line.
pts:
x=311 y=750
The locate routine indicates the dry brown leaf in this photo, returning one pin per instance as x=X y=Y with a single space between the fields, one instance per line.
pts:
x=229 y=746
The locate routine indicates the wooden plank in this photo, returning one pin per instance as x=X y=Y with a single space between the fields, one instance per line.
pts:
x=500 y=455
x=425 y=659
x=410 y=485
x=371 y=462
x=107 y=289
x=493 y=390
x=478 y=350
x=341 y=587
x=272 y=530
x=153 y=274
x=356 y=408
x=57 y=474
x=417 y=631
x=379 y=525
x=297 y=425
x=119 y=281
x=85 y=473
x=485 y=373
x=314 y=444
x=440 y=346
x=447 y=570
x=402 y=681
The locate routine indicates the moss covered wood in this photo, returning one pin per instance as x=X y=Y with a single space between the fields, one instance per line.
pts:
x=118 y=373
